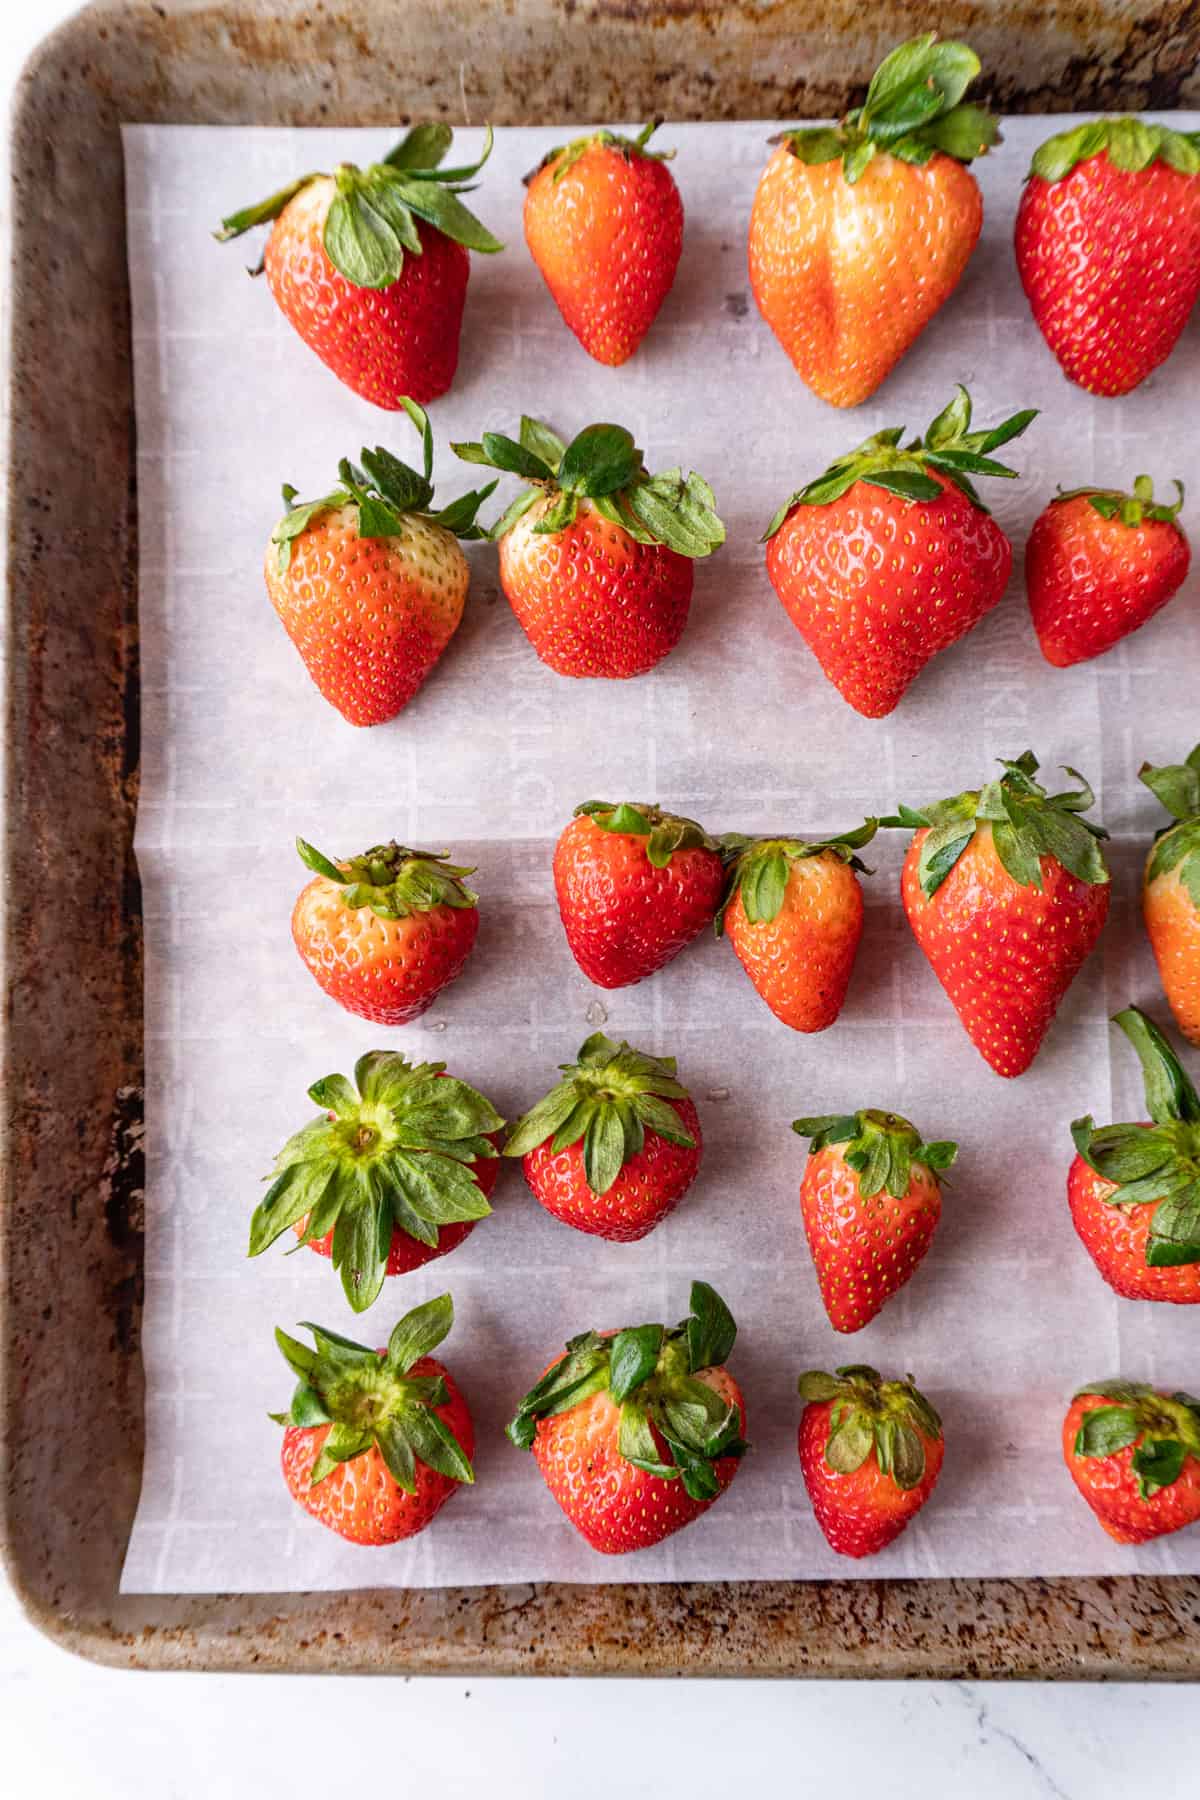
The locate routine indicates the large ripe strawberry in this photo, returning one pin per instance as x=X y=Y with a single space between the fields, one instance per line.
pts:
x=635 y=886
x=1134 y=1454
x=1108 y=247
x=871 y=1199
x=1100 y=563
x=1134 y=1189
x=383 y=933
x=369 y=583
x=394 y=1171
x=1171 y=889
x=637 y=1432
x=596 y=555
x=870 y=1451
x=794 y=915
x=370 y=265
x=1006 y=890
x=604 y=224
x=614 y=1147
x=376 y=1441
x=891 y=556
x=859 y=233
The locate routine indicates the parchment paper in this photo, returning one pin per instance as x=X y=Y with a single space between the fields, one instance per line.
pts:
x=739 y=728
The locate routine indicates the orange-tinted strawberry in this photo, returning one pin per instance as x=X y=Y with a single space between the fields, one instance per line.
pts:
x=860 y=233
x=1171 y=889
x=1006 y=890
x=376 y=1441
x=1134 y=1454
x=604 y=224
x=1108 y=247
x=370 y=266
x=870 y=1452
x=637 y=1432
x=889 y=557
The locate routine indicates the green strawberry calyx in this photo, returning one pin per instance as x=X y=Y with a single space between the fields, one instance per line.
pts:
x=949 y=446
x=1177 y=846
x=664 y=832
x=1139 y=507
x=393 y=881
x=890 y=1418
x=1026 y=823
x=372 y=219
x=390 y=1151
x=370 y=1400
x=1160 y=1163
x=914 y=108
x=610 y=1097
x=881 y=1147
x=603 y=467
x=759 y=868
x=565 y=156
x=1167 y=1425
x=1129 y=144
x=671 y=1424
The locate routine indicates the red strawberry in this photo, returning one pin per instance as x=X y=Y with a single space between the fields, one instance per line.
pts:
x=1171 y=889
x=637 y=1432
x=1006 y=890
x=604 y=224
x=376 y=1441
x=1108 y=247
x=389 y=1176
x=1134 y=1454
x=370 y=265
x=1098 y=565
x=870 y=1452
x=889 y=557
x=1134 y=1190
x=596 y=555
x=614 y=1147
x=635 y=885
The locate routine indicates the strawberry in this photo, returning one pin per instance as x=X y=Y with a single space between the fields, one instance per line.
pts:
x=596 y=555
x=1134 y=1454
x=871 y=1199
x=614 y=1147
x=637 y=1432
x=1171 y=889
x=370 y=266
x=1134 y=1190
x=369 y=583
x=635 y=885
x=604 y=224
x=870 y=1453
x=1100 y=563
x=859 y=233
x=794 y=914
x=376 y=1441
x=393 y=1172
x=891 y=556
x=1108 y=247
x=1006 y=890
x=383 y=933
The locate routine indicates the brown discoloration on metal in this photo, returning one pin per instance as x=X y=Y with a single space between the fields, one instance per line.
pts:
x=71 y=1235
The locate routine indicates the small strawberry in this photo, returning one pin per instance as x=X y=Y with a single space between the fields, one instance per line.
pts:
x=1134 y=1190
x=1099 y=564
x=794 y=915
x=370 y=265
x=383 y=933
x=1006 y=890
x=870 y=1453
x=604 y=224
x=1134 y=1454
x=369 y=583
x=1108 y=247
x=637 y=1432
x=635 y=885
x=891 y=556
x=859 y=233
x=376 y=1441
x=614 y=1147
x=871 y=1199
x=596 y=555
x=393 y=1172
x=1171 y=889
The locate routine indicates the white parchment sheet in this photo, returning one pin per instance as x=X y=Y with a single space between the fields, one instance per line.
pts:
x=738 y=728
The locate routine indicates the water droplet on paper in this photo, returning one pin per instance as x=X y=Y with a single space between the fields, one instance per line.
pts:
x=597 y=1013
x=438 y=1025
x=717 y=1094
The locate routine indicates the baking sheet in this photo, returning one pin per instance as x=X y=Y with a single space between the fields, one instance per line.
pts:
x=737 y=727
